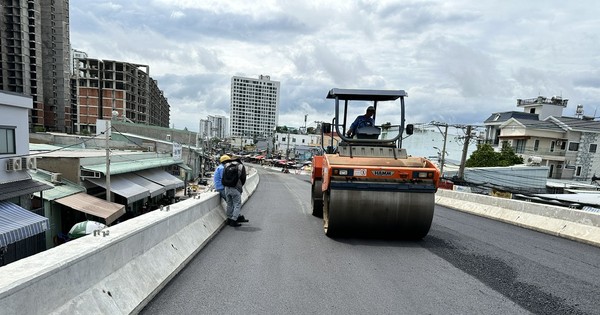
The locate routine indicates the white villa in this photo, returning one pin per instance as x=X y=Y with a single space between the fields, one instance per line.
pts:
x=540 y=134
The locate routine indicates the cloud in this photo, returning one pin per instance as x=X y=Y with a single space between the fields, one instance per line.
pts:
x=459 y=61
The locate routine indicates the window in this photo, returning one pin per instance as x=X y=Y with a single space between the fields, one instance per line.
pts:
x=532 y=110
x=578 y=171
x=536 y=144
x=552 y=146
x=593 y=148
x=573 y=146
x=7 y=140
x=520 y=146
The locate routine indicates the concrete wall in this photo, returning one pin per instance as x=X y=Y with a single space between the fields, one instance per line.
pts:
x=117 y=273
x=573 y=224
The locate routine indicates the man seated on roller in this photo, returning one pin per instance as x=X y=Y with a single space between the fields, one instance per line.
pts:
x=362 y=121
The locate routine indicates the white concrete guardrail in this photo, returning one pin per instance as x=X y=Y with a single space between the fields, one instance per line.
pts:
x=122 y=268
x=573 y=224
x=119 y=270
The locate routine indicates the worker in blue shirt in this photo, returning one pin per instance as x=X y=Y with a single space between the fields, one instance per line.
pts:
x=218 y=175
x=362 y=121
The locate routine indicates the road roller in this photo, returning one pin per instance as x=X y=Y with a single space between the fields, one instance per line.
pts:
x=366 y=184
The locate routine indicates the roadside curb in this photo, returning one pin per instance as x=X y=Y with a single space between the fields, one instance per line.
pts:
x=568 y=223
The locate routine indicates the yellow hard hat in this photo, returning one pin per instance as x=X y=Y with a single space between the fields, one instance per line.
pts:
x=224 y=158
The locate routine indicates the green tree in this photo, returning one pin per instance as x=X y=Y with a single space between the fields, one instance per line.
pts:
x=508 y=156
x=485 y=156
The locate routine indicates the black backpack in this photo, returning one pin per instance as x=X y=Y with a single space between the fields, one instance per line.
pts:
x=230 y=174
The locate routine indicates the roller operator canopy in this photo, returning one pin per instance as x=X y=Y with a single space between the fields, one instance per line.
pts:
x=366 y=95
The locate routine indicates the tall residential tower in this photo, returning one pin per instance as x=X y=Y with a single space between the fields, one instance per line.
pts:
x=254 y=104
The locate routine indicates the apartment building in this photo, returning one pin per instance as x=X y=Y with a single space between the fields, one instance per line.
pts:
x=34 y=59
x=108 y=89
x=254 y=104
x=214 y=126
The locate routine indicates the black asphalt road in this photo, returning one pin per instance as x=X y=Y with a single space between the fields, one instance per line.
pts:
x=282 y=263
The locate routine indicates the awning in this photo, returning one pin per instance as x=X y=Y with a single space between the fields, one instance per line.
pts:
x=161 y=177
x=154 y=188
x=109 y=211
x=20 y=188
x=17 y=223
x=123 y=187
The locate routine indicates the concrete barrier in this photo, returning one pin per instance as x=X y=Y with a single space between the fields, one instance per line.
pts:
x=120 y=270
x=573 y=224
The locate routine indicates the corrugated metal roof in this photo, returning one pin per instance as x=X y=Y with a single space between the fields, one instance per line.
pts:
x=163 y=178
x=21 y=188
x=64 y=189
x=131 y=166
x=121 y=186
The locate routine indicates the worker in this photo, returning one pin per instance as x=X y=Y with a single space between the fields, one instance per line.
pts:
x=218 y=176
x=362 y=121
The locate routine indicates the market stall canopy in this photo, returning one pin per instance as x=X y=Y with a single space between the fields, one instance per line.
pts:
x=123 y=187
x=17 y=223
x=83 y=202
x=154 y=188
x=161 y=177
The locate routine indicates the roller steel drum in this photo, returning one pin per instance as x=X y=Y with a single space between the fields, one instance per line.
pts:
x=317 y=199
x=377 y=213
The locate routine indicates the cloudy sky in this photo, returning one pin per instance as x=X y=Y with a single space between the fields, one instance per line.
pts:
x=458 y=60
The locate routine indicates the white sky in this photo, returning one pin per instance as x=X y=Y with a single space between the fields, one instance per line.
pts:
x=459 y=60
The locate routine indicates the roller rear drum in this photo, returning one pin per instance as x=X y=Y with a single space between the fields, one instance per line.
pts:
x=378 y=213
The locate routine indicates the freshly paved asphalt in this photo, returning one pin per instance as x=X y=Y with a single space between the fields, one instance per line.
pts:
x=282 y=263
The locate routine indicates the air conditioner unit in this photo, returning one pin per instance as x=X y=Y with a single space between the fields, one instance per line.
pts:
x=14 y=164
x=56 y=178
x=559 y=143
x=30 y=163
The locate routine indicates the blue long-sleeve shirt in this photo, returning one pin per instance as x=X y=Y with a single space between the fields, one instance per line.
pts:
x=361 y=121
x=218 y=177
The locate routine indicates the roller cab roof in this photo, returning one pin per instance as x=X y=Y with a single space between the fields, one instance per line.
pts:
x=366 y=95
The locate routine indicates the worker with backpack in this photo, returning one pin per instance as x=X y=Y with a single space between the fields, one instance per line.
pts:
x=233 y=180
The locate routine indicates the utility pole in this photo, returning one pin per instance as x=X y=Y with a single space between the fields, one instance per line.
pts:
x=463 y=160
x=108 y=193
x=287 y=149
x=443 y=157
